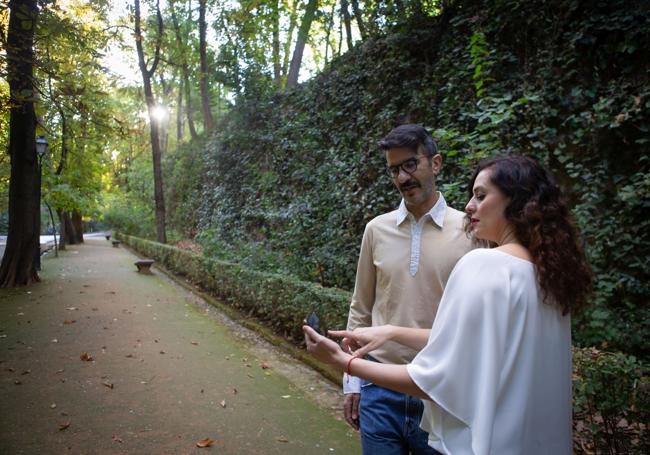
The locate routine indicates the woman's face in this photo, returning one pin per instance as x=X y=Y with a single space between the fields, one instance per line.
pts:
x=486 y=210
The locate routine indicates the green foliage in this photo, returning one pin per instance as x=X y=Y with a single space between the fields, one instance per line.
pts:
x=130 y=215
x=611 y=403
x=281 y=301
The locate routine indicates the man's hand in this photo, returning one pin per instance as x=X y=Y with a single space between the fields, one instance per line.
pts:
x=351 y=409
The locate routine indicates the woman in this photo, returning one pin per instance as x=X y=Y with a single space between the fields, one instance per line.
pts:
x=496 y=365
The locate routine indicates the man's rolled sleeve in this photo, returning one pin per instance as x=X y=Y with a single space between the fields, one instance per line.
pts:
x=351 y=384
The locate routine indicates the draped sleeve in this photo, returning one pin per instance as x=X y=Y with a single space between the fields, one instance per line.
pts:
x=460 y=368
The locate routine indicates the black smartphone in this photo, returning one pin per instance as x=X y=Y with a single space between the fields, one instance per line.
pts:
x=313 y=321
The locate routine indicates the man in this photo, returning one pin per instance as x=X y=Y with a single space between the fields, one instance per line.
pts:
x=405 y=260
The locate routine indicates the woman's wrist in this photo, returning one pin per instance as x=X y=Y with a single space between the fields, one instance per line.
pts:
x=343 y=362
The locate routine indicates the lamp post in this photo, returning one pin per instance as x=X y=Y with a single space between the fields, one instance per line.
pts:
x=41 y=149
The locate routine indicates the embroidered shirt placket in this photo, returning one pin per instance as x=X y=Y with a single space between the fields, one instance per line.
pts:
x=416 y=236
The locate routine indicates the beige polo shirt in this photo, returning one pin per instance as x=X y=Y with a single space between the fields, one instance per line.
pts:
x=403 y=268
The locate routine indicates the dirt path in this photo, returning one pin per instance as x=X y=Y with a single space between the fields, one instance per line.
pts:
x=166 y=372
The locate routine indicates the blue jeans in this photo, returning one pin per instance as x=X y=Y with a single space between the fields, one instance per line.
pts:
x=390 y=423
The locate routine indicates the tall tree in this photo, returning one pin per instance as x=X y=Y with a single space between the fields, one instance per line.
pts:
x=185 y=82
x=18 y=263
x=277 y=66
x=359 y=17
x=303 y=34
x=147 y=75
x=203 y=73
x=345 y=12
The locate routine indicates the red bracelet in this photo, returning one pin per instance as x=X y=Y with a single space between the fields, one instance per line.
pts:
x=347 y=367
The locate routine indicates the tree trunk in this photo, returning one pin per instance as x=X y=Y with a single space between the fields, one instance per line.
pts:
x=346 y=20
x=359 y=18
x=330 y=25
x=188 y=103
x=77 y=222
x=68 y=232
x=277 y=66
x=293 y=17
x=18 y=263
x=179 y=113
x=303 y=34
x=203 y=73
x=185 y=83
x=62 y=235
x=147 y=74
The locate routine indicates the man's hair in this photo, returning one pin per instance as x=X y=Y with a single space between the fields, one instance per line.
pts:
x=409 y=136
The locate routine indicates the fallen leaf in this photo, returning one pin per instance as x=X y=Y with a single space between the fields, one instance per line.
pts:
x=17 y=382
x=69 y=321
x=162 y=352
x=54 y=340
x=234 y=391
x=250 y=375
x=282 y=439
x=223 y=403
x=108 y=384
x=117 y=439
x=26 y=372
x=53 y=406
x=11 y=369
x=72 y=308
x=286 y=396
x=130 y=356
x=60 y=371
x=64 y=426
x=195 y=343
x=264 y=366
x=86 y=357
x=207 y=442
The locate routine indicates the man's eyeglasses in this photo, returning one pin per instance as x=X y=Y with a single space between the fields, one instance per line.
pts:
x=409 y=166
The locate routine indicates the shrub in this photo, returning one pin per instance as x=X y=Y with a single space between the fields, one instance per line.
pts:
x=611 y=403
x=280 y=301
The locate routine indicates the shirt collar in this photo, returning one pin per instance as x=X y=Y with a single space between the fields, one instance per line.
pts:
x=437 y=212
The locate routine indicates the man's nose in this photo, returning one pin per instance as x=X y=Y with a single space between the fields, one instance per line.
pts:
x=403 y=176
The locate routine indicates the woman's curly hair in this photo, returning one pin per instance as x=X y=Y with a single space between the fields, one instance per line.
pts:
x=543 y=224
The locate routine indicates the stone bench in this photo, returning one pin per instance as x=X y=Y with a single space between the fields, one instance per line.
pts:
x=144 y=266
x=116 y=243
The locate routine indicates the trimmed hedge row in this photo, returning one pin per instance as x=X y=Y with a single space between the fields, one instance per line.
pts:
x=280 y=301
x=611 y=391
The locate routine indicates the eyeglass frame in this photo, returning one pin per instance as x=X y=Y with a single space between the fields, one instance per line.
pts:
x=394 y=171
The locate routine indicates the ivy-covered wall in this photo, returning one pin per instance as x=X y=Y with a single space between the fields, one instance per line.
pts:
x=289 y=180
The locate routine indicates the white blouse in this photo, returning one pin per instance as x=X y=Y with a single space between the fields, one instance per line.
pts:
x=498 y=363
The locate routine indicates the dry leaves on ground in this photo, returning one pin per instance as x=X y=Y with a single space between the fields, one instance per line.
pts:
x=86 y=357
x=207 y=442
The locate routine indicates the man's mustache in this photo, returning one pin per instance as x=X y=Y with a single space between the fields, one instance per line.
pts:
x=409 y=185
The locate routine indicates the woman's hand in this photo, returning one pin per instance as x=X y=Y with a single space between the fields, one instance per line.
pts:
x=323 y=348
x=363 y=340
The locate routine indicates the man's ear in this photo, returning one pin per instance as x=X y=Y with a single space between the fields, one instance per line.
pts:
x=436 y=163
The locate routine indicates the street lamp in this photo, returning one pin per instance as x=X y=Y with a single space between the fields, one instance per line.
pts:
x=41 y=149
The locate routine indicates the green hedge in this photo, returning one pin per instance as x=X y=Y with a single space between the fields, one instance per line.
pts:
x=610 y=390
x=280 y=301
